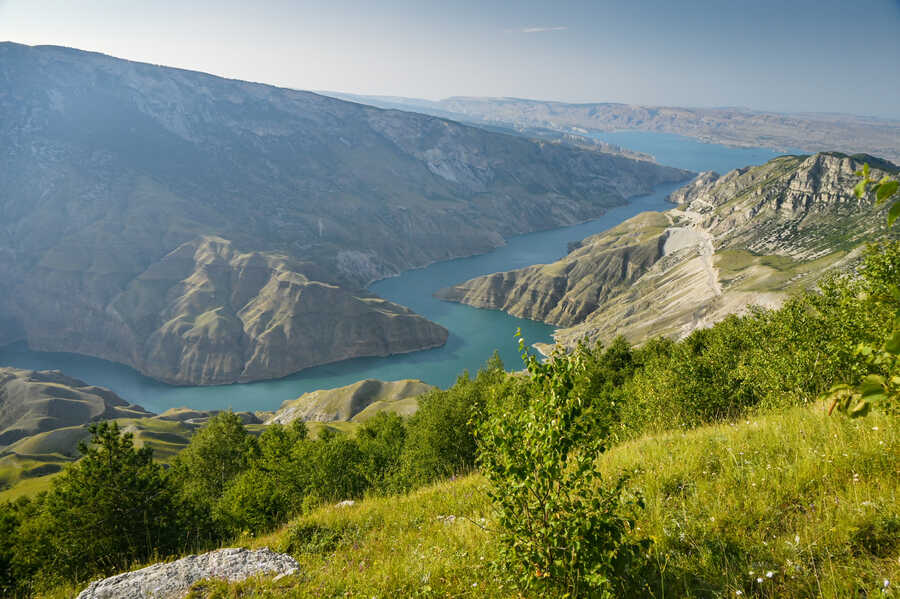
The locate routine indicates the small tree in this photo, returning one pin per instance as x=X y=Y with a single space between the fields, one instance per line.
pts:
x=273 y=487
x=216 y=454
x=440 y=438
x=111 y=508
x=561 y=529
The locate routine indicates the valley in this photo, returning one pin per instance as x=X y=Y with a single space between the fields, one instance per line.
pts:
x=473 y=334
x=231 y=227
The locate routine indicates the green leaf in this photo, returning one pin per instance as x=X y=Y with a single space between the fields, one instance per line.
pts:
x=860 y=189
x=872 y=385
x=893 y=214
x=886 y=189
x=865 y=170
x=892 y=345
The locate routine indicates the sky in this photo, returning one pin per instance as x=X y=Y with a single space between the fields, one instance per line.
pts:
x=780 y=55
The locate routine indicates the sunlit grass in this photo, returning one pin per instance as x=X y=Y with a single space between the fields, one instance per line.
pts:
x=797 y=504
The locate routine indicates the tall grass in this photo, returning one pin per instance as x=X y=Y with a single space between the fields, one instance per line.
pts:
x=796 y=504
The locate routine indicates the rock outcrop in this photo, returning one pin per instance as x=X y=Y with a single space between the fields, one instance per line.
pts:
x=173 y=580
x=745 y=238
x=356 y=402
x=207 y=231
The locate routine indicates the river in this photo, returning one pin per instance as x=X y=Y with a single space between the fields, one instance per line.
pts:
x=474 y=334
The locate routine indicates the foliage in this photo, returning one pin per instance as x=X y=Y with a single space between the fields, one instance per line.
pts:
x=441 y=434
x=107 y=510
x=333 y=466
x=561 y=529
x=881 y=388
x=216 y=454
x=381 y=440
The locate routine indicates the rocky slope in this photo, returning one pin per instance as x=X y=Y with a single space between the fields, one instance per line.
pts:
x=205 y=230
x=36 y=401
x=810 y=132
x=356 y=402
x=744 y=238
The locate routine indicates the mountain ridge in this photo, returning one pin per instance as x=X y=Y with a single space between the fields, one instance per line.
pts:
x=745 y=238
x=733 y=126
x=109 y=166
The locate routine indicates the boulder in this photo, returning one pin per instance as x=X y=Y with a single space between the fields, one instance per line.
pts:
x=174 y=579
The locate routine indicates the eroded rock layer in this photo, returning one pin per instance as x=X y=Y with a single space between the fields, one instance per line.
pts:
x=745 y=238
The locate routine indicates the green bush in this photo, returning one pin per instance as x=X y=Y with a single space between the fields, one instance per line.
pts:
x=563 y=529
x=111 y=508
x=441 y=435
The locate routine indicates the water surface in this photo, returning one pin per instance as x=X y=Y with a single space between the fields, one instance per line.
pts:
x=474 y=334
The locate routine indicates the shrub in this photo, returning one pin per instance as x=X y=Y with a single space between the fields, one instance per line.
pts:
x=111 y=508
x=562 y=528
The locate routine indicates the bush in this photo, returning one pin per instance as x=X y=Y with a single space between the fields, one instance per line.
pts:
x=562 y=529
x=441 y=435
x=111 y=508
x=217 y=453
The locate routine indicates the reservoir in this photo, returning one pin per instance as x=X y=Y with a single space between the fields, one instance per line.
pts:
x=474 y=333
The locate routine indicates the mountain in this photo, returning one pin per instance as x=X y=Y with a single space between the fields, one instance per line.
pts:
x=353 y=403
x=810 y=132
x=745 y=238
x=36 y=401
x=207 y=231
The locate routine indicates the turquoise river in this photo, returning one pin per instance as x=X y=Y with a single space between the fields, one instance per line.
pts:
x=474 y=334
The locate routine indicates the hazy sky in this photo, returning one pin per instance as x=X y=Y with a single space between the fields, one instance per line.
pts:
x=793 y=55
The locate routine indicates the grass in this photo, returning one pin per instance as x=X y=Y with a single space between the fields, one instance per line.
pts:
x=796 y=504
x=741 y=270
x=813 y=500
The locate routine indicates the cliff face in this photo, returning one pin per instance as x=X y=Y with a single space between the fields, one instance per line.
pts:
x=206 y=312
x=744 y=238
x=205 y=230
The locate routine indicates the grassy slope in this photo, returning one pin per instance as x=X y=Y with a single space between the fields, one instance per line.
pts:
x=813 y=500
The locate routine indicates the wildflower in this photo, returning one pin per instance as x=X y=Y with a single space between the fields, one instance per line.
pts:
x=796 y=538
x=770 y=574
x=760 y=580
x=739 y=592
x=874 y=428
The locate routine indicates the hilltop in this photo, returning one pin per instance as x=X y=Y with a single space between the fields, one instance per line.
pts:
x=748 y=237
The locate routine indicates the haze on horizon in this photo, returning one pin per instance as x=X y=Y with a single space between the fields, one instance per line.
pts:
x=799 y=56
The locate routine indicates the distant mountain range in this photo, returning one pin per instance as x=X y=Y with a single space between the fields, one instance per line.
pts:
x=748 y=237
x=205 y=230
x=810 y=132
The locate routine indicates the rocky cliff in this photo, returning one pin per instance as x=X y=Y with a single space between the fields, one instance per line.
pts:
x=205 y=230
x=744 y=238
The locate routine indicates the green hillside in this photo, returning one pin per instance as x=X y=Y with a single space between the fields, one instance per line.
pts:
x=811 y=499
